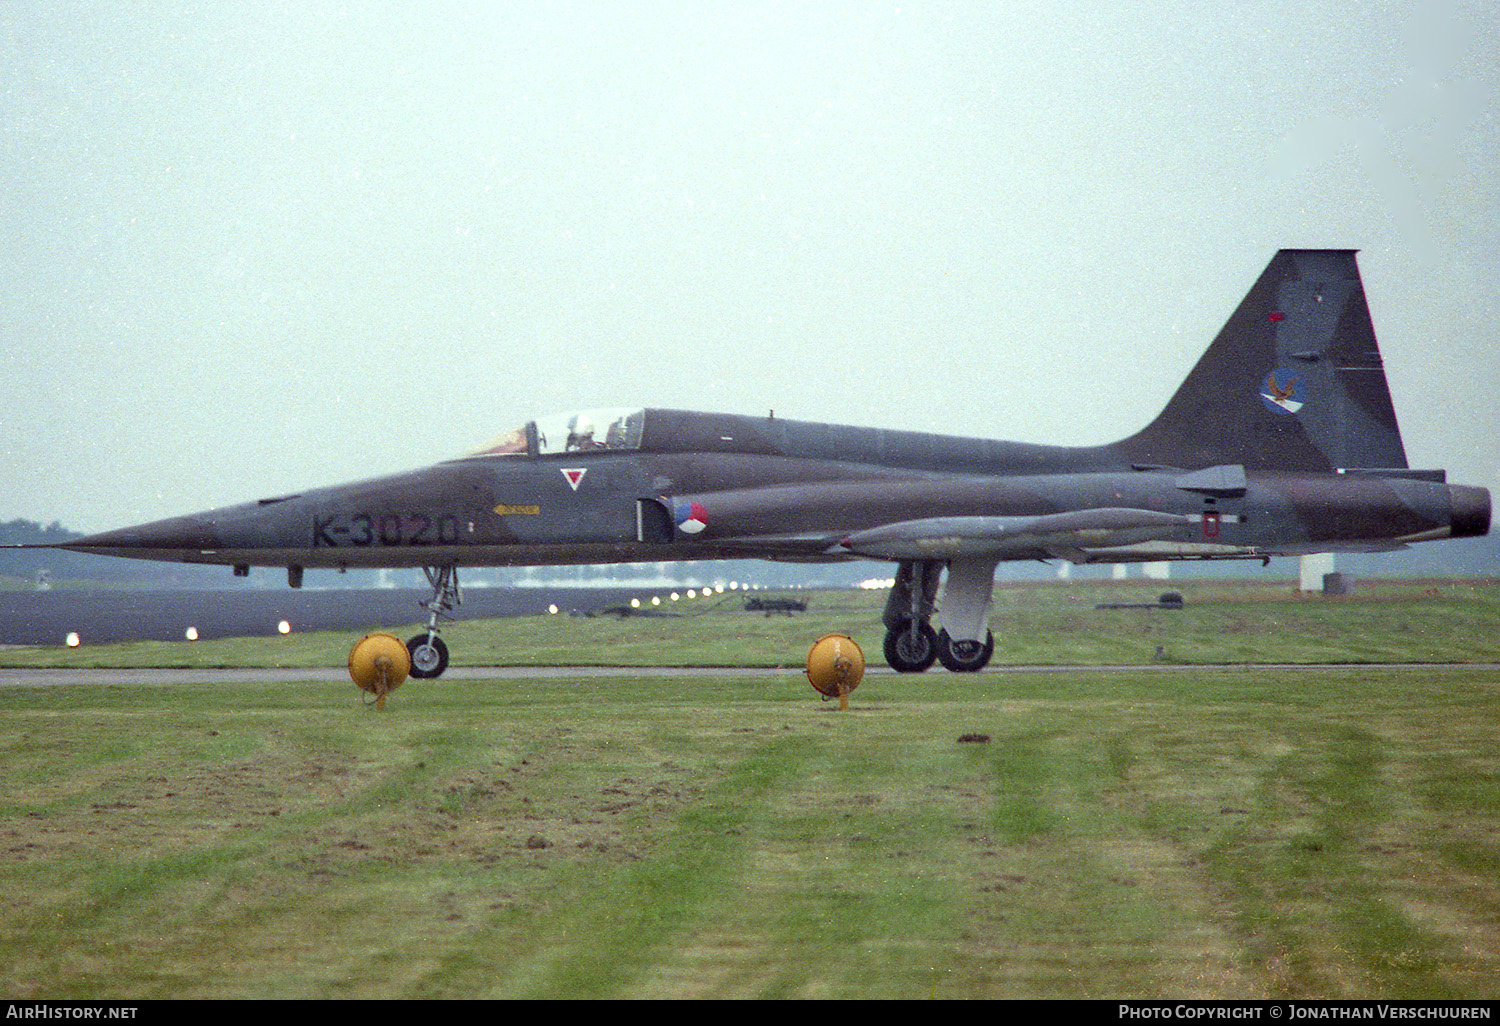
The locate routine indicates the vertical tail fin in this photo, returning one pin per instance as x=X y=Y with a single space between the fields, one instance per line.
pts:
x=1293 y=381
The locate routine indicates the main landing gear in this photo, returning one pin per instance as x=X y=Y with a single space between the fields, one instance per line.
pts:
x=965 y=656
x=429 y=655
x=911 y=645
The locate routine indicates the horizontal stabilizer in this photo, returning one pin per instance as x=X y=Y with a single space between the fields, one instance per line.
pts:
x=1014 y=537
x=1399 y=474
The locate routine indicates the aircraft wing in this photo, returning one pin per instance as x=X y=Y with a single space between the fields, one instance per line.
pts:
x=1069 y=535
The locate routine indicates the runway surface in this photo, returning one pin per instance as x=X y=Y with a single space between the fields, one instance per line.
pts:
x=160 y=614
x=149 y=677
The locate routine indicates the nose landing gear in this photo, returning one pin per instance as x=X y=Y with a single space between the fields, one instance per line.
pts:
x=429 y=655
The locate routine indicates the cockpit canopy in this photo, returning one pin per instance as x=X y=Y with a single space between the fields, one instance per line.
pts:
x=584 y=431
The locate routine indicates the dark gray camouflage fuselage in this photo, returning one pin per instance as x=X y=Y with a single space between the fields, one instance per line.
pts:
x=1281 y=441
x=789 y=490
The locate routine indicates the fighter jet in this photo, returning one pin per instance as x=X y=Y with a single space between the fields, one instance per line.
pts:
x=1282 y=440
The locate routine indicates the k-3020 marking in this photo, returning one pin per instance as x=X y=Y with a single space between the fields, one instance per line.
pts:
x=362 y=530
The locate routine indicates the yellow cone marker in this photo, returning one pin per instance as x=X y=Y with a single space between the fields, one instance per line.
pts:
x=378 y=663
x=835 y=666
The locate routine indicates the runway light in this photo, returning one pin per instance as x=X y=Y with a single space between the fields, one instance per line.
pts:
x=674 y=596
x=552 y=609
x=73 y=639
x=191 y=634
x=635 y=603
x=656 y=600
x=284 y=627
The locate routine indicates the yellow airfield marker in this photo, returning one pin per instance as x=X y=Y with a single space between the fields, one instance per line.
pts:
x=378 y=663
x=835 y=666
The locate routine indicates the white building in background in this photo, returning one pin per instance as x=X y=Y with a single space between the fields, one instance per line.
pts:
x=1312 y=569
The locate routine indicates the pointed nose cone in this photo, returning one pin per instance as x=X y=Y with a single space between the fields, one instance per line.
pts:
x=176 y=538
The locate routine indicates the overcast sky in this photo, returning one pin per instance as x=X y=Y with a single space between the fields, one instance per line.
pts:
x=249 y=248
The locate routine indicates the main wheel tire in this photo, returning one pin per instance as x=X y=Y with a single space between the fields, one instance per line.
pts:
x=965 y=656
x=907 y=652
x=429 y=656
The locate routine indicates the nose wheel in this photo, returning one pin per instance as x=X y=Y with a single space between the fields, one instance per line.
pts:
x=429 y=655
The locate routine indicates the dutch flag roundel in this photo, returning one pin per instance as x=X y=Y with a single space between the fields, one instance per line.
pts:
x=691 y=517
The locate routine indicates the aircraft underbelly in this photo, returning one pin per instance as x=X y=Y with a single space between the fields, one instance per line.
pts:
x=479 y=555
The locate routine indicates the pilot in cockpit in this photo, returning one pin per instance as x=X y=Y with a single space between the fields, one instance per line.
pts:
x=581 y=435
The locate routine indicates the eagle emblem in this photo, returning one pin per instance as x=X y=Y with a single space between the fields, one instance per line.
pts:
x=1283 y=391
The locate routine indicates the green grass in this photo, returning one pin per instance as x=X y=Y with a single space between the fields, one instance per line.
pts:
x=1034 y=624
x=1224 y=830
x=1215 y=832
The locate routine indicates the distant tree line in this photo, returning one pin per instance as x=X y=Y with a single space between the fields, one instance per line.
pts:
x=25 y=532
